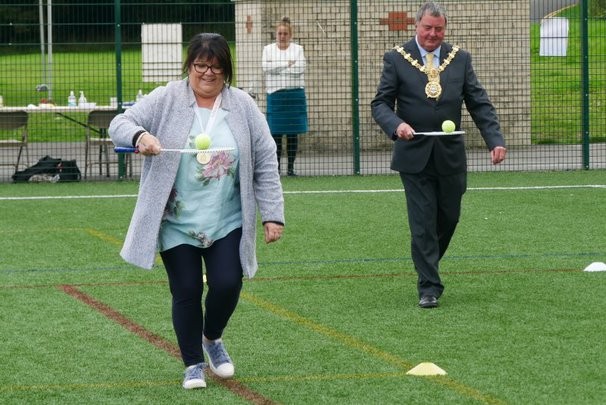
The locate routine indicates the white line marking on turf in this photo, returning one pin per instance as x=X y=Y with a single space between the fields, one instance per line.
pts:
x=76 y=197
x=538 y=187
x=468 y=189
x=67 y=197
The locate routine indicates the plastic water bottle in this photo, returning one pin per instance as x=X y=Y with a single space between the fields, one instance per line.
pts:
x=139 y=95
x=82 y=100
x=71 y=100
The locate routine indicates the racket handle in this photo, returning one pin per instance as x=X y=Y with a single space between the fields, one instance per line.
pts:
x=124 y=149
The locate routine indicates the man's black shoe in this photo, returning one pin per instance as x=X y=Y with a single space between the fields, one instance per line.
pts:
x=428 y=301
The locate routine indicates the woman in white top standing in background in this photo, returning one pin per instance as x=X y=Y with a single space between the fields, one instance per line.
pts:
x=284 y=68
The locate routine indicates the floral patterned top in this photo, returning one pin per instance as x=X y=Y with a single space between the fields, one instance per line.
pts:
x=204 y=204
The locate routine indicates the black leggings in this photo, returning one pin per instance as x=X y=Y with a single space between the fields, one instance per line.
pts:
x=183 y=265
x=292 y=144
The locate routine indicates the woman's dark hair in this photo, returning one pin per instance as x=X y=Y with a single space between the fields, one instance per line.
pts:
x=210 y=46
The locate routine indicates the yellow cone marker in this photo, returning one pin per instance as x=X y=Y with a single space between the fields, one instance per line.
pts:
x=425 y=369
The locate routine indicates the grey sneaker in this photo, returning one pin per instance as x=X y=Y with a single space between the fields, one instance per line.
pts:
x=194 y=377
x=218 y=360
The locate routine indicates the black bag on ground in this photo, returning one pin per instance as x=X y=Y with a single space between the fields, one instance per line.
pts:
x=49 y=169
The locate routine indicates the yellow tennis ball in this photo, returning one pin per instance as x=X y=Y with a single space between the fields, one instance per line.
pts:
x=448 y=126
x=202 y=141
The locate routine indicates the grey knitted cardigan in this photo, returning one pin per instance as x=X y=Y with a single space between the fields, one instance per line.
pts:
x=168 y=113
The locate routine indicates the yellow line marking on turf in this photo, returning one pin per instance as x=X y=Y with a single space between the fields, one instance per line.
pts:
x=114 y=241
x=358 y=344
x=323 y=377
x=326 y=331
x=103 y=236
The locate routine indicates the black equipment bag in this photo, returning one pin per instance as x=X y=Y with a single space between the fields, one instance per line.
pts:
x=49 y=169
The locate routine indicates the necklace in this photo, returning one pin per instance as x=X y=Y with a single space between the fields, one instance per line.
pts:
x=204 y=158
x=433 y=89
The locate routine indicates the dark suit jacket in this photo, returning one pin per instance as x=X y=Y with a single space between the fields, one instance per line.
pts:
x=402 y=87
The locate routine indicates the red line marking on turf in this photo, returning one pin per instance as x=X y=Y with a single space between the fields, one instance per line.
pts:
x=234 y=386
x=117 y=317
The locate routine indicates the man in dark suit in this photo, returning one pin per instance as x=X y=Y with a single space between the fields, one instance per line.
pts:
x=417 y=93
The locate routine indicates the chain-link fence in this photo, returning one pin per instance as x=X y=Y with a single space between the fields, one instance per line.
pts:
x=541 y=61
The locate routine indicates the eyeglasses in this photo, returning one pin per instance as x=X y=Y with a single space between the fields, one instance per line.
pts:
x=203 y=68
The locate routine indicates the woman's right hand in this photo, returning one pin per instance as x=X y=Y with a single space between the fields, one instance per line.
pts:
x=273 y=231
x=148 y=144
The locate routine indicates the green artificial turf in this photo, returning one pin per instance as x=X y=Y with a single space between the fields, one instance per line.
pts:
x=332 y=315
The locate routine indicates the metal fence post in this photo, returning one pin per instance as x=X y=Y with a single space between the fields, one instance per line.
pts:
x=118 y=42
x=355 y=87
x=585 y=81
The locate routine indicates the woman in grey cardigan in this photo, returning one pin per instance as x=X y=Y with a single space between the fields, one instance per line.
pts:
x=203 y=207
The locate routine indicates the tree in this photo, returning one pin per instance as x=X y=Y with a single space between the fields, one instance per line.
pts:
x=597 y=8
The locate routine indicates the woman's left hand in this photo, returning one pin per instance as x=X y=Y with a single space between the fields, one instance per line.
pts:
x=273 y=231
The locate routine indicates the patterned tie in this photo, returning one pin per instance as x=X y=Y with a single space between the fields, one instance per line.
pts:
x=432 y=88
x=429 y=59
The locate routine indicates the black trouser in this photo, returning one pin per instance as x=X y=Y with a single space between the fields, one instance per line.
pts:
x=292 y=144
x=433 y=202
x=183 y=265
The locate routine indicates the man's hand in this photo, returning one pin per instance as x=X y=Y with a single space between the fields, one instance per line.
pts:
x=498 y=155
x=405 y=131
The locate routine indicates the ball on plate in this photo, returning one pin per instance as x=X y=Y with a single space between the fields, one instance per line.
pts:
x=202 y=141
x=448 y=126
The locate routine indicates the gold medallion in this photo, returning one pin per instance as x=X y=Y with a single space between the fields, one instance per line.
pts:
x=433 y=89
x=203 y=158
